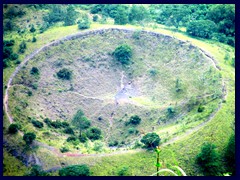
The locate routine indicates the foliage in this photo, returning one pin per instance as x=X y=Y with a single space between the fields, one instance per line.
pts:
x=34 y=39
x=201 y=108
x=80 y=121
x=34 y=70
x=94 y=133
x=98 y=146
x=113 y=143
x=29 y=137
x=151 y=140
x=68 y=130
x=37 y=123
x=121 y=15
x=32 y=29
x=37 y=171
x=64 y=74
x=208 y=159
x=13 y=128
x=137 y=13
x=230 y=155
x=123 y=54
x=71 y=16
x=201 y=28
x=95 y=18
x=83 y=138
x=56 y=14
x=22 y=47
x=56 y=124
x=84 y=22
x=170 y=112
x=71 y=138
x=15 y=11
x=75 y=170
x=135 y=120
x=64 y=149
x=123 y=171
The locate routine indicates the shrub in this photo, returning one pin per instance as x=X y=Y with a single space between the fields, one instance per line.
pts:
x=29 y=93
x=123 y=171
x=131 y=130
x=170 y=112
x=29 y=137
x=83 y=138
x=32 y=29
x=47 y=121
x=71 y=138
x=68 y=130
x=123 y=54
x=135 y=120
x=22 y=47
x=151 y=140
x=94 y=133
x=64 y=149
x=37 y=123
x=34 y=39
x=98 y=146
x=208 y=159
x=153 y=72
x=95 y=18
x=13 y=128
x=84 y=23
x=75 y=170
x=113 y=143
x=37 y=171
x=64 y=74
x=201 y=108
x=230 y=155
x=34 y=70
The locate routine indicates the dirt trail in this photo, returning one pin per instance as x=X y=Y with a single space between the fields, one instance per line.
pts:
x=56 y=151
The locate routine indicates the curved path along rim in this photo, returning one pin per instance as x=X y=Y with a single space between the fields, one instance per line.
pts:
x=84 y=33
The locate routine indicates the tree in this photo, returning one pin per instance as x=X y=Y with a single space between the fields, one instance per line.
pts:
x=202 y=28
x=121 y=16
x=32 y=29
x=123 y=54
x=70 y=17
x=29 y=138
x=137 y=13
x=75 y=170
x=230 y=155
x=151 y=140
x=13 y=128
x=80 y=121
x=83 y=138
x=84 y=22
x=94 y=133
x=56 y=14
x=64 y=74
x=208 y=159
x=22 y=47
x=135 y=120
x=37 y=123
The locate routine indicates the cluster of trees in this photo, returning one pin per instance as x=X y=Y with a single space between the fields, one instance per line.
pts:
x=8 y=54
x=211 y=21
x=123 y=54
x=64 y=74
x=209 y=159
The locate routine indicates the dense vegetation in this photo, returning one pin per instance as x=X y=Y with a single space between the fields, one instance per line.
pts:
x=76 y=170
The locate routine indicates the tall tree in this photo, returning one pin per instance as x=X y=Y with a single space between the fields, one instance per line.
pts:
x=70 y=17
x=80 y=121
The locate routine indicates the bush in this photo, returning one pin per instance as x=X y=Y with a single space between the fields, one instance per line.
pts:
x=230 y=155
x=131 y=130
x=37 y=171
x=22 y=47
x=201 y=108
x=13 y=128
x=34 y=39
x=75 y=170
x=64 y=74
x=208 y=159
x=170 y=112
x=47 y=121
x=84 y=23
x=37 y=123
x=83 y=138
x=29 y=137
x=71 y=138
x=64 y=149
x=151 y=140
x=32 y=29
x=68 y=130
x=123 y=171
x=29 y=93
x=95 y=18
x=135 y=120
x=98 y=146
x=94 y=133
x=34 y=71
x=113 y=143
x=123 y=54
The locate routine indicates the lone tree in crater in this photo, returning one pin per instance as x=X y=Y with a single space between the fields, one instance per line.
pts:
x=123 y=54
x=80 y=121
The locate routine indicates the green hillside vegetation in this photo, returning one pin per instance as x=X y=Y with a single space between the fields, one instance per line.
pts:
x=132 y=78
